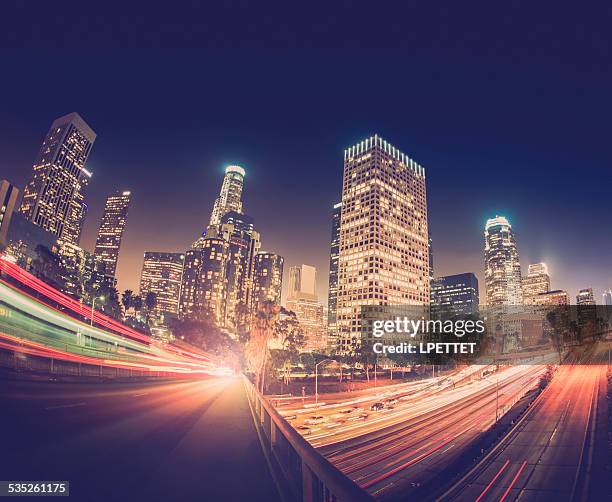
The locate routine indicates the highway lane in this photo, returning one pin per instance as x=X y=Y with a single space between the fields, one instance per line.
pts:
x=189 y=440
x=547 y=455
x=434 y=432
x=392 y=451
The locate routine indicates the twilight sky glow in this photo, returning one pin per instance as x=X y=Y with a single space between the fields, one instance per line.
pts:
x=523 y=136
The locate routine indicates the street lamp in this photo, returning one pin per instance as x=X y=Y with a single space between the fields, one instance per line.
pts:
x=93 y=302
x=317 y=378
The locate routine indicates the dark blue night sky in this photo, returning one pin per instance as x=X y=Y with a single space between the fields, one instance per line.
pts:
x=509 y=114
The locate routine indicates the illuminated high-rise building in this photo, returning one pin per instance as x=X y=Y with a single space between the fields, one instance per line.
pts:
x=203 y=292
x=384 y=256
x=502 y=267
x=267 y=278
x=243 y=244
x=162 y=274
x=332 y=294
x=607 y=297
x=54 y=197
x=455 y=294
x=585 y=297
x=111 y=230
x=84 y=273
x=556 y=297
x=8 y=200
x=536 y=281
x=230 y=197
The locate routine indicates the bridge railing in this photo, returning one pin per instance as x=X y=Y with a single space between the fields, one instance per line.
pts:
x=301 y=472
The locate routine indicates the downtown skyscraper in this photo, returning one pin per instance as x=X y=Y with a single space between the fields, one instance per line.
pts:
x=536 y=282
x=502 y=266
x=162 y=275
x=108 y=241
x=332 y=292
x=267 y=278
x=230 y=196
x=218 y=279
x=384 y=240
x=54 y=197
x=455 y=294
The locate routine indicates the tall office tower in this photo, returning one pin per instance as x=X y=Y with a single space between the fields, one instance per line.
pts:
x=230 y=196
x=203 y=290
x=384 y=258
x=502 y=267
x=111 y=229
x=431 y=261
x=302 y=299
x=189 y=282
x=162 y=274
x=556 y=297
x=607 y=297
x=83 y=272
x=53 y=199
x=267 y=278
x=455 y=294
x=243 y=244
x=585 y=297
x=536 y=281
x=332 y=295
x=8 y=199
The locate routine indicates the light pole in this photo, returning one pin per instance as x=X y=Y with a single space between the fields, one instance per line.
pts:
x=317 y=378
x=93 y=302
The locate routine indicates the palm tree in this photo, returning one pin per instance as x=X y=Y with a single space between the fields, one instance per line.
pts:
x=127 y=299
x=137 y=303
x=150 y=301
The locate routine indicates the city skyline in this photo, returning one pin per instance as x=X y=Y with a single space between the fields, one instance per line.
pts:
x=292 y=204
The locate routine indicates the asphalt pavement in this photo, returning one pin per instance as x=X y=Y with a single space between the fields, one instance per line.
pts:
x=172 y=441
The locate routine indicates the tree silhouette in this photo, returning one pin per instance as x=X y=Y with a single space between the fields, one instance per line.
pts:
x=127 y=298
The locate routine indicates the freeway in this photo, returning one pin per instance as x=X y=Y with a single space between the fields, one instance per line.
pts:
x=167 y=441
x=415 y=434
x=556 y=452
x=30 y=327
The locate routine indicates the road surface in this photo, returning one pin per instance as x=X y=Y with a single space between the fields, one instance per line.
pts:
x=551 y=454
x=168 y=441
x=419 y=431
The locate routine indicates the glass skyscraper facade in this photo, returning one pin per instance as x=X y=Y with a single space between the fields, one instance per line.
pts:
x=536 y=282
x=54 y=197
x=230 y=196
x=332 y=294
x=455 y=294
x=111 y=229
x=502 y=266
x=162 y=274
x=267 y=278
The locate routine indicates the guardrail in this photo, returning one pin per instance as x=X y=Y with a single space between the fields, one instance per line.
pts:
x=301 y=472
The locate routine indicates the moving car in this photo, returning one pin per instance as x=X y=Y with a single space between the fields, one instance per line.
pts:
x=377 y=406
x=316 y=419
